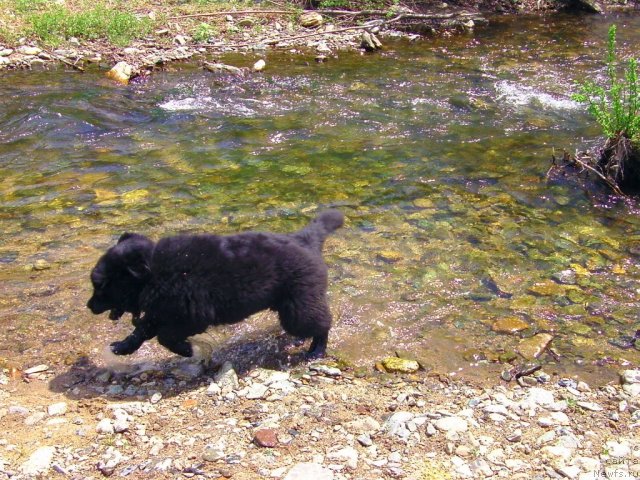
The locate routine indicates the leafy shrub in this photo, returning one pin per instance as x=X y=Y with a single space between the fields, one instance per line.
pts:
x=616 y=105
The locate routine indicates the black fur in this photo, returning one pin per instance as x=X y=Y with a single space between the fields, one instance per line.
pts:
x=183 y=284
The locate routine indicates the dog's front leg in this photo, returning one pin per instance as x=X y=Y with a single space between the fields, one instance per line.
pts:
x=144 y=331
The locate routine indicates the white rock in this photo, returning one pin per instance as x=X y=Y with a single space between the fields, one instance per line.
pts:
x=461 y=467
x=346 y=455
x=554 y=419
x=105 y=426
x=569 y=471
x=26 y=50
x=39 y=461
x=451 y=424
x=591 y=406
x=214 y=389
x=59 y=408
x=227 y=378
x=309 y=471
x=364 y=424
x=326 y=370
x=499 y=409
x=616 y=449
x=256 y=391
x=259 y=65
x=155 y=398
x=396 y=424
x=36 y=369
x=631 y=376
x=538 y=397
x=631 y=389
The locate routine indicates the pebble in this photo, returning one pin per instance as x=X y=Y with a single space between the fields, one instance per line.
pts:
x=37 y=369
x=26 y=50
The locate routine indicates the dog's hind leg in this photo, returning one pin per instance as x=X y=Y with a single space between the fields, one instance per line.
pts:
x=174 y=342
x=307 y=316
x=144 y=331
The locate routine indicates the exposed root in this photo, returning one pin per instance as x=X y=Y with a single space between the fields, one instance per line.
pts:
x=616 y=164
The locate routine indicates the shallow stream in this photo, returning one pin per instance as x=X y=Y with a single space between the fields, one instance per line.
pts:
x=435 y=150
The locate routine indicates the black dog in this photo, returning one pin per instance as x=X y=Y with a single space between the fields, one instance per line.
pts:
x=178 y=287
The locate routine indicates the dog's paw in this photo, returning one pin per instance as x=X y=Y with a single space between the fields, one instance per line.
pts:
x=314 y=354
x=122 y=347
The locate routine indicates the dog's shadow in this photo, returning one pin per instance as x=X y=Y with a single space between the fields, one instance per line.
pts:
x=138 y=381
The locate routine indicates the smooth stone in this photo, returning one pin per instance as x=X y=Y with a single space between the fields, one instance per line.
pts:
x=26 y=50
x=259 y=65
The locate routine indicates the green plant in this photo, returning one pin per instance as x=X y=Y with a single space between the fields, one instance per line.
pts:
x=204 y=32
x=616 y=105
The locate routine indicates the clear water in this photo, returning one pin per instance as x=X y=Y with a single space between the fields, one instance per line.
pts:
x=436 y=151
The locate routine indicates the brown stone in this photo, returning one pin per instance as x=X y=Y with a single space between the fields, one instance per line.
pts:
x=266 y=437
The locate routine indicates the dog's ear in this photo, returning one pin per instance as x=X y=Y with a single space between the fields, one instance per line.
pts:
x=135 y=254
x=137 y=262
x=127 y=236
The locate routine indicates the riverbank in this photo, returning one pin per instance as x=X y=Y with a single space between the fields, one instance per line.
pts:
x=170 y=33
x=311 y=421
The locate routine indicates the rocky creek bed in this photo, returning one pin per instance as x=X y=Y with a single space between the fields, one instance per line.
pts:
x=311 y=421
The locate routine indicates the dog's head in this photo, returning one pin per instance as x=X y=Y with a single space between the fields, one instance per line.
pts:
x=120 y=275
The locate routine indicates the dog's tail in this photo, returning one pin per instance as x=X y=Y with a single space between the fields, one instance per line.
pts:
x=314 y=234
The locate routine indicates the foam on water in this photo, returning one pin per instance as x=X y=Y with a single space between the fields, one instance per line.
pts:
x=207 y=104
x=522 y=95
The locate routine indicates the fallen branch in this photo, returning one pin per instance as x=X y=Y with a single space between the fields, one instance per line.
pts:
x=236 y=12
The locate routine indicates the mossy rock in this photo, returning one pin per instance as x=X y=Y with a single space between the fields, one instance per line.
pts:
x=400 y=365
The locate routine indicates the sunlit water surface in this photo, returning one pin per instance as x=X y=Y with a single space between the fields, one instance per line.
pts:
x=436 y=151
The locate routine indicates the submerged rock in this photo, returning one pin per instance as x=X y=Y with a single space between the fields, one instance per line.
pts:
x=531 y=348
x=509 y=325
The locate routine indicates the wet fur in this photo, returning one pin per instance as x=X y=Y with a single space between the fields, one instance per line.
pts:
x=181 y=285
